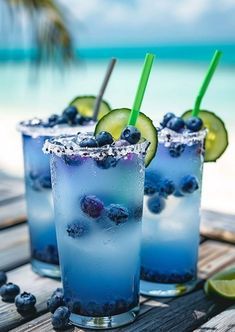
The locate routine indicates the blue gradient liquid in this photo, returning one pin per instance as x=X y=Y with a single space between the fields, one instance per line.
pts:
x=40 y=211
x=100 y=268
x=170 y=238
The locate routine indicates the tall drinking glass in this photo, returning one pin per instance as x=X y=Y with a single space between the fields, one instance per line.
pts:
x=171 y=215
x=40 y=212
x=98 y=197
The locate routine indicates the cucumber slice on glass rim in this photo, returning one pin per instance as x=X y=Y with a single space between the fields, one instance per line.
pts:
x=85 y=106
x=217 y=136
x=115 y=121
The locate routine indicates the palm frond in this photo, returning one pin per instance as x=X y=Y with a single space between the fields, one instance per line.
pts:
x=52 y=36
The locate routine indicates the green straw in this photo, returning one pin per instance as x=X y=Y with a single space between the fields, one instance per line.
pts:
x=141 y=89
x=207 y=79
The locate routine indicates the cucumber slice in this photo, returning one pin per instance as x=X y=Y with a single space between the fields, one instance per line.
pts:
x=217 y=136
x=115 y=121
x=85 y=105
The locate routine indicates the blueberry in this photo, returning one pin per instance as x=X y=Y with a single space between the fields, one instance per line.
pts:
x=25 y=301
x=9 y=291
x=88 y=142
x=83 y=120
x=77 y=229
x=188 y=184
x=150 y=183
x=156 y=204
x=92 y=206
x=61 y=120
x=176 y=149
x=117 y=213
x=3 y=278
x=131 y=134
x=53 y=118
x=107 y=162
x=55 y=301
x=175 y=124
x=45 y=181
x=166 y=187
x=104 y=138
x=59 y=291
x=194 y=123
x=70 y=114
x=60 y=318
x=167 y=117
x=72 y=160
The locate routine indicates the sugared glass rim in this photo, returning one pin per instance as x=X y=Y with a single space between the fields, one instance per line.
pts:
x=65 y=145
x=35 y=131
x=166 y=135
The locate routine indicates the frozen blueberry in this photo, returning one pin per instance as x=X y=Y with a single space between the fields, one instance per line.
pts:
x=70 y=114
x=3 y=278
x=45 y=181
x=117 y=213
x=194 y=123
x=88 y=142
x=25 y=301
x=188 y=184
x=60 y=318
x=156 y=204
x=150 y=183
x=166 y=187
x=176 y=149
x=77 y=229
x=92 y=206
x=55 y=301
x=9 y=291
x=175 y=123
x=104 y=138
x=131 y=134
x=167 y=117
x=107 y=162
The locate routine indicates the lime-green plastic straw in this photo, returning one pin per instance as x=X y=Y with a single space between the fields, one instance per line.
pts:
x=207 y=79
x=141 y=89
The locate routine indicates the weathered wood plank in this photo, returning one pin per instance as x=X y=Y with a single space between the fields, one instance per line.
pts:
x=14 y=247
x=180 y=314
x=30 y=282
x=12 y=213
x=218 y=225
x=224 y=322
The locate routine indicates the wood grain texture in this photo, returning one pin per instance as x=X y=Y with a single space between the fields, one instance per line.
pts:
x=14 y=247
x=12 y=213
x=224 y=322
x=30 y=282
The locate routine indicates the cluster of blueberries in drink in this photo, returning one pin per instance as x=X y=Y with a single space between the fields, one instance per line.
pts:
x=94 y=208
x=48 y=255
x=38 y=181
x=70 y=116
x=159 y=189
x=156 y=276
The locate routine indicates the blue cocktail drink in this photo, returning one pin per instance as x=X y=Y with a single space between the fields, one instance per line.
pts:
x=98 y=197
x=172 y=214
x=44 y=253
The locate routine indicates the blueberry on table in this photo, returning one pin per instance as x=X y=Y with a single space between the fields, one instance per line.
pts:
x=88 y=142
x=60 y=318
x=156 y=204
x=194 y=123
x=77 y=229
x=175 y=123
x=25 y=301
x=166 y=187
x=188 y=184
x=131 y=134
x=104 y=138
x=176 y=149
x=9 y=291
x=117 y=213
x=167 y=117
x=3 y=278
x=70 y=114
x=107 y=162
x=55 y=301
x=92 y=206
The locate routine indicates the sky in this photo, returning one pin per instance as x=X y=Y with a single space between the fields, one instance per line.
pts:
x=141 y=22
x=108 y=23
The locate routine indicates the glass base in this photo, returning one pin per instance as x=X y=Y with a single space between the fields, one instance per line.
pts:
x=45 y=269
x=166 y=290
x=104 y=322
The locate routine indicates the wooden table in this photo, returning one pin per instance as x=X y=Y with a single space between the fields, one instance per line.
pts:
x=192 y=312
